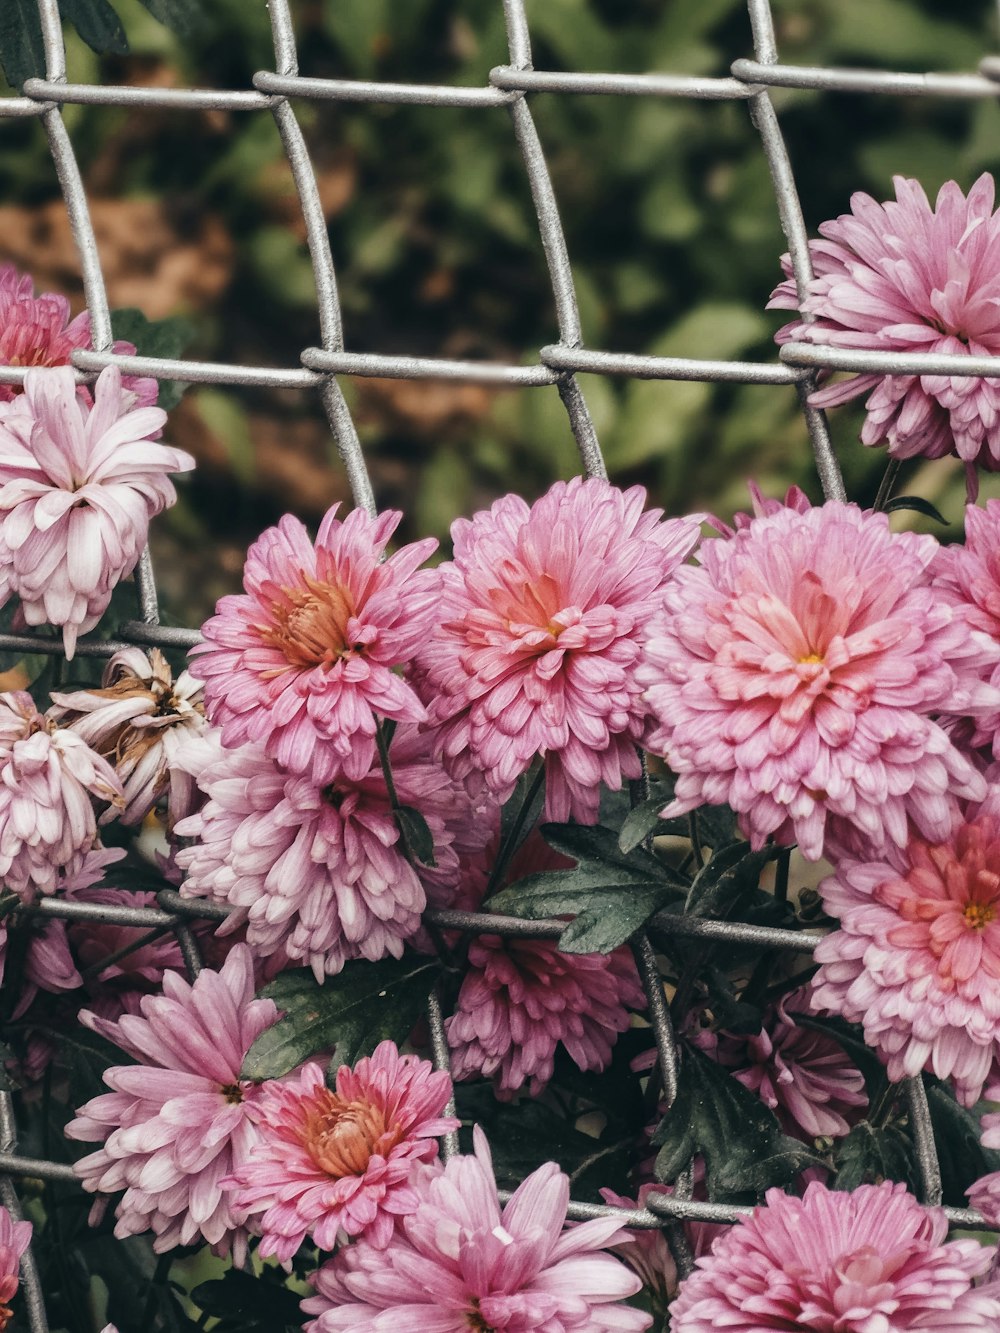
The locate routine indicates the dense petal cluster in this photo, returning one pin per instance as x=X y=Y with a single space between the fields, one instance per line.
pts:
x=49 y=779
x=14 y=1240
x=141 y=720
x=870 y=1261
x=178 y=1123
x=339 y=1160
x=78 y=487
x=37 y=331
x=521 y=999
x=794 y=675
x=460 y=1263
x=916 y=957
x=305 y=658
x=903 y=276
x=542 y=619
x=320 y=870
x=985 y=1193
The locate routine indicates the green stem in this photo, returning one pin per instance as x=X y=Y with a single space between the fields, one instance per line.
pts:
x=887 y=483
x=513 y=838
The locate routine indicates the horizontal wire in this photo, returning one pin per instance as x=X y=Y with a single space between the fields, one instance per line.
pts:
x=618 y=85
x=362 y=90
x=862 y=80
x=178 y=99
x=888 y=363
x=638 y=366
x=197 y=372
x=377 y=366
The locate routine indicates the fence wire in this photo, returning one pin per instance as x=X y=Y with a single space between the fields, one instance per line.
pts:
x=507 y=90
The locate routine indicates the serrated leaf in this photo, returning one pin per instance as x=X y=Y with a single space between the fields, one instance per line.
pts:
x=416 y=834
x=918 y=504
x=714 y=1115
x=870 y=1154
x=22 y=54
x=362 y=1005
x=166 y=338
x=731 y=875
x=97 y=23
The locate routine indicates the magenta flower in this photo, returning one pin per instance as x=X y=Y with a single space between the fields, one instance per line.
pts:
x=521 y=998
x=795 y=674
x=176 y=1124
x=140 y=720
x=47 y=779
x=37 y=331
x=305 y=659
x=804 y=1076
x=872 y=1261
x=542 y=618
x=78 y=486
x=14 y=1240
x=916 y=958
x=903 y=277
x=339 y=1161
x=318 y=870
x=459 y=1263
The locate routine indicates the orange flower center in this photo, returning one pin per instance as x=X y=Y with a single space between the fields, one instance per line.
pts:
x=979 y=915
x=310 y=624
x=813 y=659
x=341 y=1137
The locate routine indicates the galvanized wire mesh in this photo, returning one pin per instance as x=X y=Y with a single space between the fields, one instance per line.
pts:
x=507 y=90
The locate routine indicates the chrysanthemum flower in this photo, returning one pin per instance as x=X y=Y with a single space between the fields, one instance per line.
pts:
x=542 y=616
x=794 y=676
x=139 y=719
x=521 y=999
x=178 y=1122
x=985 y=1193
x=318 y=870
x=47 y=779
x=78 y=486
x=916 y=957
x=763 y=507
x=803 y=1075
x=37 y=331
x=307 y=656
x=340 y=1161
x=870 y=1261
x=459 y=1263
x=905 y=277
x=14 y=1240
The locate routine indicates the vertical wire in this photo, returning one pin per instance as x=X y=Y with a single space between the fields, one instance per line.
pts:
x=441 y=1058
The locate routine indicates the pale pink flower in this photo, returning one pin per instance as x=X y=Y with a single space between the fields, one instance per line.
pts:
x=763 y=507
x=78 y=486
x=178 y=1122
x=521 y=999
x=319 y=870
x=48 y=778
x=14 y=1240
x=905 y=277
x=460 y=1263
x=795 y=674
x=985 y=1193
x=871 y=1261
x=916 y=957
x=339 y=1161
x=804 y=1076
x=141 y=719
x=542 y=617
x=307 y=656
x=37 y=331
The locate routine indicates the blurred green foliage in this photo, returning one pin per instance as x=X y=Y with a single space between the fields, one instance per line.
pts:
x=669 y=216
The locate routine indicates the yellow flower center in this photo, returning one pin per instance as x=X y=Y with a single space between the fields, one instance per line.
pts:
x=814 y=659
x=979 y=915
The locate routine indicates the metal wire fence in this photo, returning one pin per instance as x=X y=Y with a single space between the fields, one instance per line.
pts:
x=507 y=91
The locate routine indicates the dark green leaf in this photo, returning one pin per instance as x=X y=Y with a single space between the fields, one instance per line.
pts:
x=97 y=23
x=640 y=823
x=960 y=1152
x=416 y=834
x=869 y=1155
x=918 y=504
x=136 y=1298
x=729 y=1011
x=243 y=1301
x=364 y=1004
x=731 y=876
x=520 y=813
x=21 y=51
x=162 y=337
x=180 y=15
x=743 y=1145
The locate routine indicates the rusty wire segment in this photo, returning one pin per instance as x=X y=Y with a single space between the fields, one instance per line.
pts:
x=506 y=92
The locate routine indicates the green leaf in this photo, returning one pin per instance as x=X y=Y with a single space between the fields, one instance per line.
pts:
x=243 y=1301
x=364 y=1004
x=181 y=16
x=870 y=1154
x=21 y=51
x=917 y=503
x=416 y=834
x=97 y=23
x=644 y=820
x=730 y=876
x=743 y=1145
x=161 y=337
x=962 y=1157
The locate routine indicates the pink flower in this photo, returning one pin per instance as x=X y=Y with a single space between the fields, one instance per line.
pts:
x=459 y=1263
x=318 y=870
x=804 y=1076
x=78 y=486
x=37 y=331
x=178 y=1122
x=140 y=719
x=872 y=1261
x=904 y=277
x=794 y=676
x=14 y=1240
x=340 y=1161
x=763 y=507
x=985 y=1193
x=916 y=958
x=47 y=779
x=521 y=998
x=306 y=658
x=542 y=619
